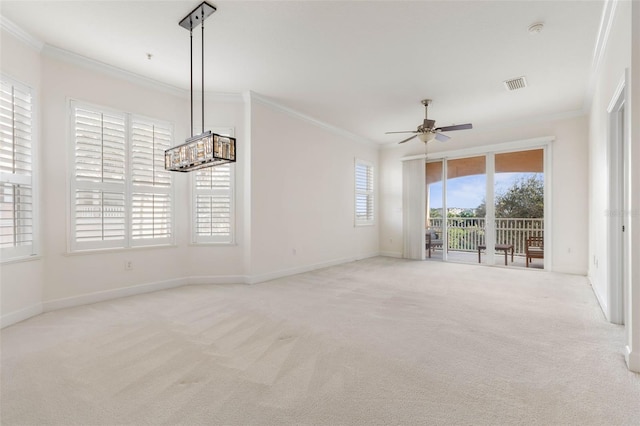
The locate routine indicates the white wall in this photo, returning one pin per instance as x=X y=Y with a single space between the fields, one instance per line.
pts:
x=632 y=351
x=617 y=58
x=302 y=186
x=296 y=192
x=60 y=278
x=21 y=283
x=221 y=262
x=569 y=189
x=621 y=55
x=71 y=275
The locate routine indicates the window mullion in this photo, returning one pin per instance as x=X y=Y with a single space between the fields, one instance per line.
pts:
x=13 y=129
x=128 y=196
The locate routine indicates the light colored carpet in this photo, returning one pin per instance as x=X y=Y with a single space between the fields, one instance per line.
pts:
x=378 y=341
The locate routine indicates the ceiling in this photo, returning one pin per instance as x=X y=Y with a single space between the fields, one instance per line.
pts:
x=362 y=66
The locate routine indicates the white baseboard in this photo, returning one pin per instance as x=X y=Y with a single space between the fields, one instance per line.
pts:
x=632 y=359
x=259 y=278
x=101 y=296
x=20 y=315
x=601 y=301
x=395 y=254
x=218 y=279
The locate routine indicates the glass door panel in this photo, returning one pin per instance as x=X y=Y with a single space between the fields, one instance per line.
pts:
x=434 y=221
x=465 y=208
x=519 y=206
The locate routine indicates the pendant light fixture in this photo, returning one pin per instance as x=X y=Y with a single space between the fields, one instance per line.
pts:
x=206 y=149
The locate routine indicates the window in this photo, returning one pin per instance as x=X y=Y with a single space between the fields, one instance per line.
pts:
x=17 y=192
x=213 y=201
x=121 y=194
x=364 y=192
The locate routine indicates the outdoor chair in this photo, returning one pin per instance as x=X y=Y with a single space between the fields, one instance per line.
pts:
x=433 y=241
x=534 y=249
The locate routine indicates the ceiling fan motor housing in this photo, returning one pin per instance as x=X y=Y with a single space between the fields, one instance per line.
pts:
x=428 y=124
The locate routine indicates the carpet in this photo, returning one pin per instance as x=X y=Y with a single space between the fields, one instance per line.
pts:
x=375 y=342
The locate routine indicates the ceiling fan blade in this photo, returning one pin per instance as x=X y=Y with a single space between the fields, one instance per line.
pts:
x=456 y=127
x=405 y=131
x=442 y=138
x=407 y=139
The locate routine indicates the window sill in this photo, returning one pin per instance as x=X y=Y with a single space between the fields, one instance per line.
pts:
x=20 y=259
x=118 y=250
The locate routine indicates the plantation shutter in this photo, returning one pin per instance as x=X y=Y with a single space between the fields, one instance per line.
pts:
x=213 y=201
x=151 y=210
x=363 y=193
x=121 y=193
x=214 y=204
x=16 y=178
x=99 y=191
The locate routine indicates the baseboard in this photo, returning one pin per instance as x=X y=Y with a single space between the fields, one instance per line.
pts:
x=367 y=256
x=101 y=296
x=20 y=315
x=632 y=359
x=217 y=279
x=268 y=276
x=603 y=306
x=396 y=254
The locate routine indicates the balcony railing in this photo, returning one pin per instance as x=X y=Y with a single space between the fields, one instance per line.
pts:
x=465 y=233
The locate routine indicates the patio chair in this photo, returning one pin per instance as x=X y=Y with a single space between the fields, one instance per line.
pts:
x=433 y=241
x=534 y=249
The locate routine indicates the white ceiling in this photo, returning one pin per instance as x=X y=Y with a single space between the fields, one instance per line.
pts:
x=363 y=66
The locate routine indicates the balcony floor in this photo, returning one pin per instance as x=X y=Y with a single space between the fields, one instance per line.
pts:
x=472 y=257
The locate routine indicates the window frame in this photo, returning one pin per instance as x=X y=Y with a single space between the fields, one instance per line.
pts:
x=25 y=252
x=197 y=239
x=127 y=187
x=368 y=193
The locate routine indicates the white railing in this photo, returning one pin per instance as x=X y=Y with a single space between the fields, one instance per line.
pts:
x=465 y=233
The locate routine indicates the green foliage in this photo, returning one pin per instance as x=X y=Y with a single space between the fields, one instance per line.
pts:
x=525 y=198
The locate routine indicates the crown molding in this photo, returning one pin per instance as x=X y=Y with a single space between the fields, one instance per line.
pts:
x=91 y=64
x=137 y=79
x=20 y=34
x=253 y=96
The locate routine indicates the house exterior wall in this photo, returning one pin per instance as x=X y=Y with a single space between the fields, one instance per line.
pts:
x=569 y=190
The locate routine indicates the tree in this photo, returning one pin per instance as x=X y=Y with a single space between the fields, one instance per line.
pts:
x=525 y=198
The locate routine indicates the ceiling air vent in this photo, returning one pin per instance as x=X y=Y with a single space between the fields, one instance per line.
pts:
x=515 y=83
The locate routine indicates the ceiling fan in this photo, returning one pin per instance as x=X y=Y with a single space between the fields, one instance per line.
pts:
x=426 y=131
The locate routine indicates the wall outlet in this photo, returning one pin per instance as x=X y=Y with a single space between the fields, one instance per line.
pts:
x=128 y=265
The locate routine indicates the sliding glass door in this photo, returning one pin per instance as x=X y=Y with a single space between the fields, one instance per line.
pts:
x=519 y=205
x=487 y=209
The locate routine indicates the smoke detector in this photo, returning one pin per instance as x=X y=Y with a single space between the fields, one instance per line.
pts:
x=515 y=83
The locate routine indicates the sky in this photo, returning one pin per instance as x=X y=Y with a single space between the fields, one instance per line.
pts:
x=469 y=191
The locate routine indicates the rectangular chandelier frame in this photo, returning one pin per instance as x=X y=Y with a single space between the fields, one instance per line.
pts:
x=205 y=150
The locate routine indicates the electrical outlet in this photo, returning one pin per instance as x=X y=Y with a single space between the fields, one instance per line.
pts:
x=128 y=265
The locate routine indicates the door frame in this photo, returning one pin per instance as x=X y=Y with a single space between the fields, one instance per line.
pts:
x=619 y=150
x=544 y=143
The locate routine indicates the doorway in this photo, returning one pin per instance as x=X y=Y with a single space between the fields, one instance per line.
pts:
x=485 y=208
x=619 y=175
